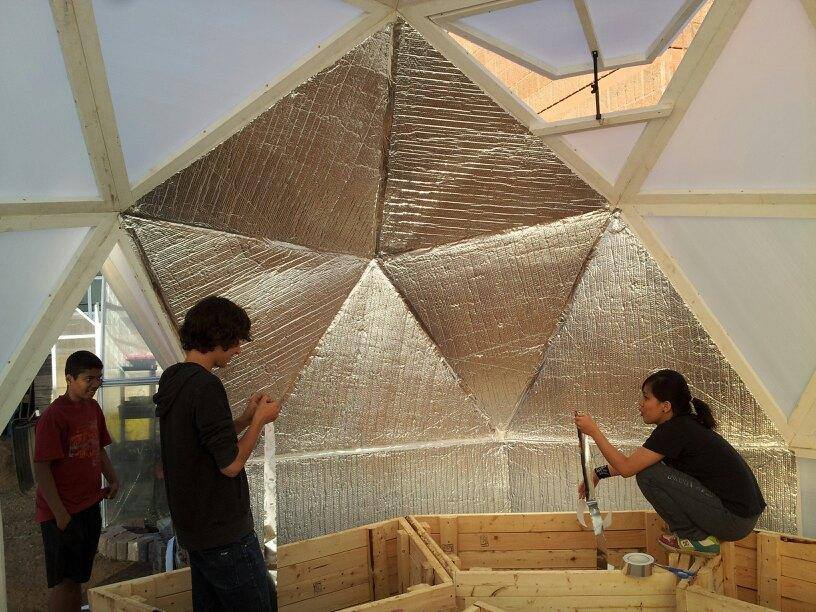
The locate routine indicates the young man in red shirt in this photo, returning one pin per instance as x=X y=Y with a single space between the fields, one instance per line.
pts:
x=70 y=459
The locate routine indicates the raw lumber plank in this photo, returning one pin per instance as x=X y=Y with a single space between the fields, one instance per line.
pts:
x=173 y=582
x=584 y=603
x=769 y=570
x=448 y=534
x=791 y=605
x=403 y=561
x=314 y=569
x=111 y=602
x=430 y=557
x=749 y=595
x=655 y=527
x=806 y=551
x=563 y=583
x=486 y=607
x=177 y=602
x=431 y=520
x=555 y=540
x=729 y=555
x=332 y=601
x=746 y=578
x=379 y=562
x=307 y=589
x=749 y=541
x=439 y=598
x=800 y=590
x=445 y=566
x=746 y=569
x=297 y=552
x=529 y=559
x=796 y=568
x=418 y=587
x=699 y=600
x=389 y=527
x=427 y=573
x=542 y=522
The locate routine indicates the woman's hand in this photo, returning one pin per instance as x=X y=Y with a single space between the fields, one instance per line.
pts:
x=586 y=425
x=582 y=492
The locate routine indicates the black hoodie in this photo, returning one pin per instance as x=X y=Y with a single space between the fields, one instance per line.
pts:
x=198 y=439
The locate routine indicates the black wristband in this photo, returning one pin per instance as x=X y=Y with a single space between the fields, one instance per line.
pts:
x=602 y=472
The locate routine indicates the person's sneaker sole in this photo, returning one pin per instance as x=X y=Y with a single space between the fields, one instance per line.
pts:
x=695 y=553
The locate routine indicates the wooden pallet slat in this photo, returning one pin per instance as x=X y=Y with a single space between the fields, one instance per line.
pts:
x=769 y=570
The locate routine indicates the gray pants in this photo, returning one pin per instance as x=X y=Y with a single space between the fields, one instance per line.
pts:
x=690 y=510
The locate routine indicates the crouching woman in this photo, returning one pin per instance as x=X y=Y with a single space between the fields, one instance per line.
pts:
x=695 y=480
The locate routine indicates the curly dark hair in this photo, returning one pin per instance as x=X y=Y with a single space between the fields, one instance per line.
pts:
x=214 y=321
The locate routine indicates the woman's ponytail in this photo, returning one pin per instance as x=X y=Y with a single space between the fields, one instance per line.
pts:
x=703 y=413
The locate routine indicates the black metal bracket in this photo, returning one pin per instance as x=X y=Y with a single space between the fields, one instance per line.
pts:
x=594 y=87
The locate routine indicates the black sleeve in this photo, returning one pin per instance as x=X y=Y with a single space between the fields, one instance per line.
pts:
x=213 y=421
x=666 y=440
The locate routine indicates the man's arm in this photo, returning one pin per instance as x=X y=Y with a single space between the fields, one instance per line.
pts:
x=109 y=473
x=265 y=412
x=45 y=480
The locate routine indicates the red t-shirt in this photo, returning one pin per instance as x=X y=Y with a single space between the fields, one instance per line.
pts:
x=70 y=435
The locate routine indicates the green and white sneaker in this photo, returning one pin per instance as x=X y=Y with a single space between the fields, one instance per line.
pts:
x=708 y=547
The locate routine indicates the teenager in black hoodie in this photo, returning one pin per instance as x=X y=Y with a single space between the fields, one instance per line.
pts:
x=204 y=462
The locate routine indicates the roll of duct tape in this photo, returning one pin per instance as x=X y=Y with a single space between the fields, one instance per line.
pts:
x=638 y=565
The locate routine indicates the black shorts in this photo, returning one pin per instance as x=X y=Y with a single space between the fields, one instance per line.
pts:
x=70 y=553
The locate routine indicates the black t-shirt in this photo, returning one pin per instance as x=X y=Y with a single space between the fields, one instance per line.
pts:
x=704 y=454
x=198 y=439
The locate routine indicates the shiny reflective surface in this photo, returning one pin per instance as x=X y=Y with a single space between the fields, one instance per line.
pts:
x=308 y=171
x=329 y=493
x=291 y=294
x=376 y=379
x=459 y=166
x=626 y=320
x=491 y=303
x=427 y=280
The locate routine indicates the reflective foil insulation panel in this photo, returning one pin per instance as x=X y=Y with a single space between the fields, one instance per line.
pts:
x=433 y=293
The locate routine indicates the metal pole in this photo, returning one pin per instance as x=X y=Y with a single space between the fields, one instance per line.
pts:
x=594 y=89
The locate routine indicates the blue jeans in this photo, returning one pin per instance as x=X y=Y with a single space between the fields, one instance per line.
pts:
x=232 y=577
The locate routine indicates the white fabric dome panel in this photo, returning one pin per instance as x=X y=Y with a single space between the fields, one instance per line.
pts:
x=758 y=276
x=606 y=149
x=629 y=28
x=752 y=125
x=806 y=469
x=175 y=68
x=42 y=150
x=34 y=262
x=548 y=31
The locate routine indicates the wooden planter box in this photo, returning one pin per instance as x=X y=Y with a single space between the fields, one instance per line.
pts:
x=772 y=569
x=384 y=566
x=505 y=563
x=546 y=561
x=166 y=591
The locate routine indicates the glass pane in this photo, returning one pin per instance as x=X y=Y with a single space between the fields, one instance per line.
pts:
x=126 y=354
x=135 y=454
x=130 y=415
